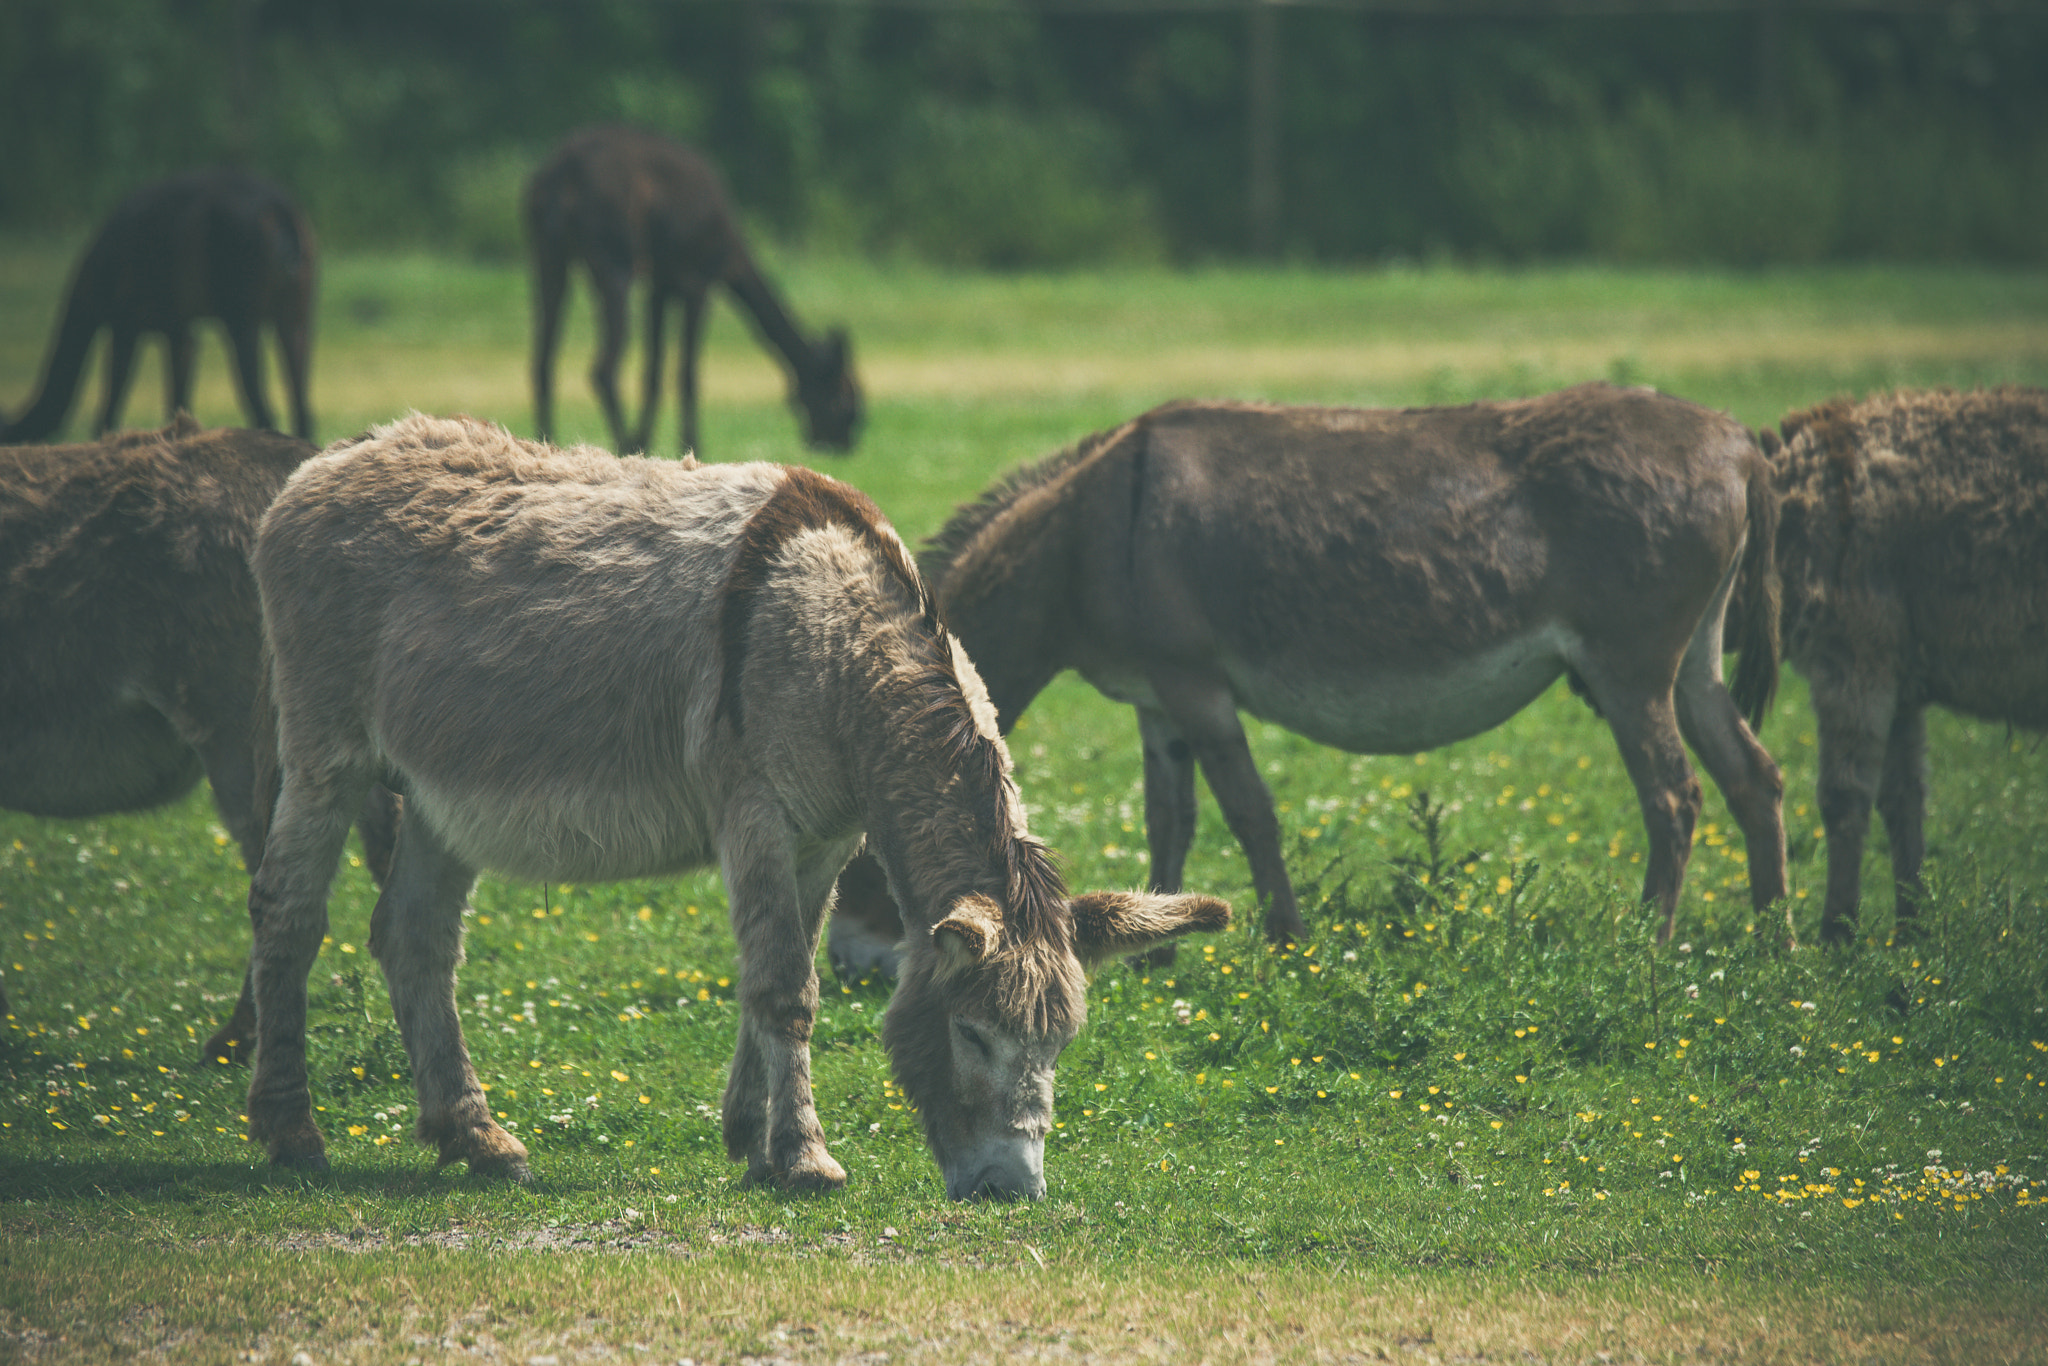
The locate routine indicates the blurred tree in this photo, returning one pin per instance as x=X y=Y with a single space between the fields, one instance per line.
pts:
x=1047 y=132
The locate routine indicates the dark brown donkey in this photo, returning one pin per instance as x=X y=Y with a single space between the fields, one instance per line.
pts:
x=130 y=635
x=586 y=668
x=629 y=204
x=1914 y=546
x=1385 y=581
x=206 y=244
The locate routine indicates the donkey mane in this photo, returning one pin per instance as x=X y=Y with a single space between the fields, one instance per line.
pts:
x=939 y=711
x=806 y=501
x=1030 y=976
x=943 y=546
x=1034 y=893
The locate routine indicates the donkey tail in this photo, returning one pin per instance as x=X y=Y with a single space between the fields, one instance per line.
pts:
x=1755 y=610
x=61 y=372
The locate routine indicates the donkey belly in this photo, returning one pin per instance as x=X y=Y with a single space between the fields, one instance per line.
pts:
x=563 y=834
x=1386 y=710
x=89 y=762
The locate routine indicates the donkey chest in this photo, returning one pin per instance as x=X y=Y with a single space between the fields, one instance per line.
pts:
x=1367 y=705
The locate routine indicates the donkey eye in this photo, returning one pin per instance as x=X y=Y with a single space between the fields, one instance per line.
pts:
x=972 y=1035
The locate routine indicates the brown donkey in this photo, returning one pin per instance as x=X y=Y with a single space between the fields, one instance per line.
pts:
x=206 y=244
x=585 y=668
x=630 y=204
x=1913 y=542
x=1386 y=582
x=130 y=637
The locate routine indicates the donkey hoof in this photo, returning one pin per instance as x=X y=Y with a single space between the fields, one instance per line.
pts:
x=315 y=1161
x=500 y=1168
x=225 y=1050
x=814 y=1176
x=490 y=1152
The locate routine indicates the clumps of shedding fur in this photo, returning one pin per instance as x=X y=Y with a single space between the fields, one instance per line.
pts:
x=1956 y=480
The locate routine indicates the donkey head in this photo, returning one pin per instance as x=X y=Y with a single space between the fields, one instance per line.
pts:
x=981 y=1014
x=828 y=395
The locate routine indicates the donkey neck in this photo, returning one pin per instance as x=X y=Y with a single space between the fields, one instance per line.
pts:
x=1008 y=594
x=777 y=326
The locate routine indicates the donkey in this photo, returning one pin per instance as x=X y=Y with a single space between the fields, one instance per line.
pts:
x=629 y=204
x=1385 y=581
x=205 y=244
x=581 y=667
x=130 y=636
x=1913 y=541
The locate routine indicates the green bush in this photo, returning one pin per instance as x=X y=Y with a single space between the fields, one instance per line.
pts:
x=988 y=186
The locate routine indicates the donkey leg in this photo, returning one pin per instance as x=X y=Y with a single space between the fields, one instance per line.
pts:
x=288 y=912
x=295 y=342
x=1169 y=798
x=1203 y=711
x=377 y=827
x=1749 y=780
x=245 y=341
x=654 y=338
x=694 y=300
x=120 y=366
x=416 y=936
x=611 y=285
x=230 y=772
x=778 y=909
x=1854 y=714
x=1169 y=816
x=1645 y=725
x=1902 y=802
x=550 y=283
x=178 y=363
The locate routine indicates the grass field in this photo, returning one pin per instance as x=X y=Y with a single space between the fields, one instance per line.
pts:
x=1478 y=1116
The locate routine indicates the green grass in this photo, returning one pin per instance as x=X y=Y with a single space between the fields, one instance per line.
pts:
x=1478 y=1112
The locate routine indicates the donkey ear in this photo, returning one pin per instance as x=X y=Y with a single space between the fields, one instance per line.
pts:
x=1111 y=924
x=967 y=934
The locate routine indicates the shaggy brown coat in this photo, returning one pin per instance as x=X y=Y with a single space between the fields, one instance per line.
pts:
x=130 y=634
x=1387 y=581
x=583 y=668
x=1913 y=547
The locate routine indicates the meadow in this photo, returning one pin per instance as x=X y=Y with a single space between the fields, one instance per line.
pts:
x=1479 y=1114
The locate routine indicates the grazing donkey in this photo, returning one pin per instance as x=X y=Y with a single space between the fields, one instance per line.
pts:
x=205 y=244
x=1384 y=581
x=581 y=667
x=1913 y=541
x=130 y=637
x=631 y=204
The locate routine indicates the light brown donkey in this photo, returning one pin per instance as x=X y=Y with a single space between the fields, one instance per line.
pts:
x=1387 y=581
x=585 y=668
x=130 y=636
x=1914 y=546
